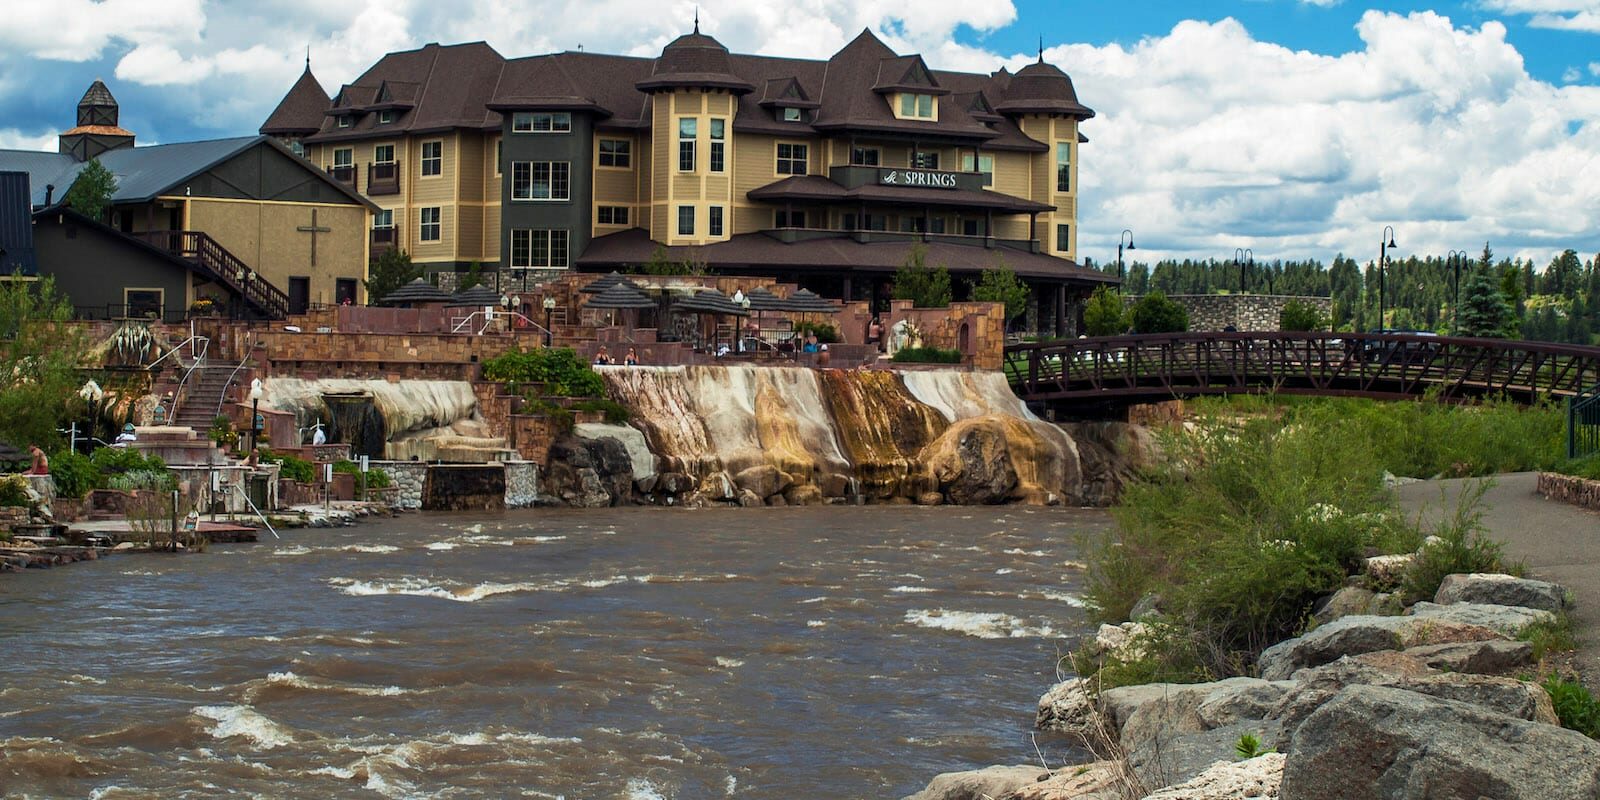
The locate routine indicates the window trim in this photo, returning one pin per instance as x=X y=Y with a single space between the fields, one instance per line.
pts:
x=611 y=211
x=386 y=117
x=438 y=160
x=161 y=304
x=791 y=114
x=345 y=120
x=533 y=117
x=778 y=159
x=691 y=220
x=548 y=251
x=532 y=197
x=717 y=157
x=912 y=105
x=1063 y=146
x=692 y=139
x=969 y=164
x=913 y=157
x=376 y=215
x=1063 y=229
x=423 y=223
x=625 y=155
x=877 y=156
x=375 y=149
x=714 y=222
x=350 y=154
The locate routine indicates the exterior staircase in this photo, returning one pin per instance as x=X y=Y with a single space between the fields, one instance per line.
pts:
x=202 y=395
x=217 y=264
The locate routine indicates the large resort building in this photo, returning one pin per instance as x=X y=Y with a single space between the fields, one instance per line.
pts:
x=824 y=173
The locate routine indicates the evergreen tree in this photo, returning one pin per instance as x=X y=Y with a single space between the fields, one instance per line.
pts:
x=1154 y=313
x=389 y=272
x=39 y=360
x=92 y=190
x=924 y=286
x=1484 y=310
x=1001 y=285
x=1105 y=314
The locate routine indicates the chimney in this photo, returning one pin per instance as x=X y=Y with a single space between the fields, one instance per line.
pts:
x=49 y=192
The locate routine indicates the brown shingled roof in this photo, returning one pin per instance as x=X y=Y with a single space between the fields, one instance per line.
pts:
x=301 y=110
x=1042 y=88
x=447 y=87
x=694 y=60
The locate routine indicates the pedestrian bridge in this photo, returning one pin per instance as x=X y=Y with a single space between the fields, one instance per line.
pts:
x=1079 y=375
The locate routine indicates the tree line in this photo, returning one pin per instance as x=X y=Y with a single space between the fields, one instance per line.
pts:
x=1505 y=297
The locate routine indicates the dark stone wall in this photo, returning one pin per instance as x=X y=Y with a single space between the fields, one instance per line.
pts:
x=473 y=487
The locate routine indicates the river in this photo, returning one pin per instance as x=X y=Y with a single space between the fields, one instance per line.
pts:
x=627 y=653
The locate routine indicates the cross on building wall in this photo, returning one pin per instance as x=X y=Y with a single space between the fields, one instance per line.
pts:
x=314 y=229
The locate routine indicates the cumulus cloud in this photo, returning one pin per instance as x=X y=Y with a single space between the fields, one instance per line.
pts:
x=13 y=139
x=1567 y=15
x=1434 y=128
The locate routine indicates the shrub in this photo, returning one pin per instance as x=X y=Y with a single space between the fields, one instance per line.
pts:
x=825 y=331
x=291 y=467
x=1575 y=706
x=143 y=480
x=559 y=416
x=14 y=492
x=110 y=460
x=1154 y=313
x=75 y=474
x=924 y=286
x=927 y=355
x=1105 y=314
x=1297 y=315
x=1549 y=636
x=560 y=370
x=615 y=413
x=1001 y=285
x=222 y=431
x=1588 y=467
x=376 y=478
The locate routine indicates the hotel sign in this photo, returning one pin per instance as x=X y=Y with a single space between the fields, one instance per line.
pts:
x=921 y=179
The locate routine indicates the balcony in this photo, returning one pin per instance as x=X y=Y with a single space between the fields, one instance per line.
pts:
x=383 y=240
x=345 y=174
x=383 y=177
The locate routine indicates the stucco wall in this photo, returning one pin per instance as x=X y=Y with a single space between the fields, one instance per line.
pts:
x=264 y=236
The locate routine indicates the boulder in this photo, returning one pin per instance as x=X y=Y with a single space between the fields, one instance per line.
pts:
x=930 y=499
x=1373 y=741
x=972 y=463
x=803 y=495
x=1121 y=642
x=764 y=479
x=1109 y=455
x=1101 y=780
x=1256 y=779
x=1494 y=657
x=1389 y=571
x=1503 y=590
x=1317 y=686
x=1348 y=601
x=1509 y=620
x=1148 y=606
x=674 y=483
x=776 y=501
x=1176 y=734
x=1175 y=758
x=1363 y=634
x=835 y=485
x=1068 y=708
x=978 y=784
x=749 y=499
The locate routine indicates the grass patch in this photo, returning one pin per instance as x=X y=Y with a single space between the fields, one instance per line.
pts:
x=1575 y=705
x=1459 y=546
x=1550 y=637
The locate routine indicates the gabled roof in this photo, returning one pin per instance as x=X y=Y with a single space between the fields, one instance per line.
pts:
x=433 y=88
x=540 y=83
x=44 y=169
x=786 y=93
x=906 y=74
x=300 y=111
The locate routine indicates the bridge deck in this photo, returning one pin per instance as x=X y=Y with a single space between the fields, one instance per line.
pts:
x=1131 y=369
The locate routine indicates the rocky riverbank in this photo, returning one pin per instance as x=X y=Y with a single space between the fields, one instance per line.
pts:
x=1430 y=702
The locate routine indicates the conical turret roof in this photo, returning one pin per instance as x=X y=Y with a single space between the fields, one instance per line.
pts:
x=1042 y=88
x=97 y=95
x=415 y=292
x=694 y=60
x=301 y=111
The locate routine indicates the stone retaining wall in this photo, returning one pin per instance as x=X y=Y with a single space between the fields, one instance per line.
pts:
x=408 y=478
x=522 y=484
x=1580 y=492
x=1245 y=312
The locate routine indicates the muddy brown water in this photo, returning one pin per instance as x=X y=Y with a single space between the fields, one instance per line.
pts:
x=636 y=653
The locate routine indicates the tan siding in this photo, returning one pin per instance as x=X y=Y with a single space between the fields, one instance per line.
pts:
x=613 y=187
x=491 y=232
x=1012 y=174
x=264 y=236
x=470 y=163
x=436 y=189
x=754 y=160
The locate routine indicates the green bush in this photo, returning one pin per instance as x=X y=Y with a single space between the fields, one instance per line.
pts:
x=1575 y=706
x=1154 y=313
x=927 y=355
x=560 y=416
x=1105 y=314
x=825 y=331
x=110 y=460
x=615 y=413
x=1549 y=636
x=559 y=369
x=924 y=286
x=1588 y=467
x=143 y=480
x=290 y=467
x=14 y=491
x=1460 y=547
x=376 y=478
x=75 y=474
x=1298 y=315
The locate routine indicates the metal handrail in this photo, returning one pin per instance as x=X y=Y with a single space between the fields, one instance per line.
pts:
x=1583 y=423
x=221 y=398
x=489 y=317
x=177 y=395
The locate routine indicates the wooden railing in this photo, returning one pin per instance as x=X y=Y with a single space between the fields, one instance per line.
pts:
x=383 y=178
x=383 y=240
x=1143 y=368
x=215 y=262
x=345 y=174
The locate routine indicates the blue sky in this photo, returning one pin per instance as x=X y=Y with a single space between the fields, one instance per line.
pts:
x=1294 y=127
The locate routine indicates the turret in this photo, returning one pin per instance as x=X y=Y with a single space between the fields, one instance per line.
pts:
x=97 y=130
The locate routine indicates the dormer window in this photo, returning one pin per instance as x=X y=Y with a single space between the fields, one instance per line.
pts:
x=792 y=114
x=556 y=122
x=916 y=106
x=385 y=117
x=345 y=120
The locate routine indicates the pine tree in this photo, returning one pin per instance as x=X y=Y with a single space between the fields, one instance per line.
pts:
x=1105 y=314
x=1484 y=310
x=389 y=272
x=1001 y=285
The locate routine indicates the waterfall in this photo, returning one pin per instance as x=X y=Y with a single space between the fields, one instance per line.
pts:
x=881 y=434
x=425 y=419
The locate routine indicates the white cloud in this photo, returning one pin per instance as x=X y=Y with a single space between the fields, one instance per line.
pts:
x=1568 y=15
x=1594 y=68
x=13 y=139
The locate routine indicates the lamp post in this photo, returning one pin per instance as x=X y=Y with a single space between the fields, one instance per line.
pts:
x=1383 y=257
x=549 y=307
x=1243 y=258
x=1455 y=257
x=1126 y=237
x=255 y=411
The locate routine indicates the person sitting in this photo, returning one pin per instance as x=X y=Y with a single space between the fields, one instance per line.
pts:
x=631 y=359
x=603 y=356
x=811 y=345
x=41 y=463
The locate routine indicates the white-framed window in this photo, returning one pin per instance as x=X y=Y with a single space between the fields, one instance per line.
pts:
x=792 y=115
x=541 y=180
x=791 y=159
x=685 y=220
x=385 y=117
x=718 y=145
x=789 y=219
x=916 y=106
x=298 y=147
x=612 y=215
x=714 y=221
x=539 y=248
x=983 y=164
x=1063 y=166
x=345 y=120
x=383 y=154
x=687 y=131
x=383 y=219
x=429 y=228
x=616 y=153
x=1063 y=238
x=541 y=122
x=344 y=157
x=921 y=160
x=432 y=158
x=865 y=156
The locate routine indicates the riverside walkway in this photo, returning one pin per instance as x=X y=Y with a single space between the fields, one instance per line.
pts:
x=1560 y=543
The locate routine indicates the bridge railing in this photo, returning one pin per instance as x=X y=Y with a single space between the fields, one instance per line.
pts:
x=1375 y=365
x=1583 y=424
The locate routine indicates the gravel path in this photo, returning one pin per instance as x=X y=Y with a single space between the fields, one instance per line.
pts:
x=1559 y=542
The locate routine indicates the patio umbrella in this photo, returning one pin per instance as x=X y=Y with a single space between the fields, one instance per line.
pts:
x=417 y=292
x=479 y=295
x=759 y=300
x=808 y=302
x=711 y=301
x=607 y=281
x=620 y=296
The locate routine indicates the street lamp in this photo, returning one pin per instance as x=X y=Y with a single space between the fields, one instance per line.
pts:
x=1126 y=237
x=1383 y=258
x=255 y=411
x=1455 y=258
x=1243 y=258
x=549 y=306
